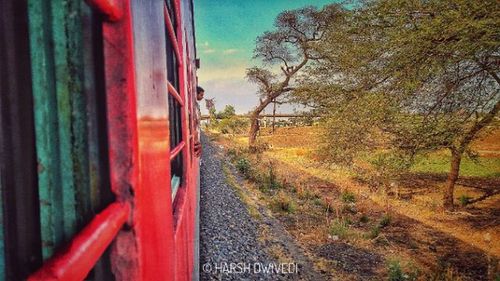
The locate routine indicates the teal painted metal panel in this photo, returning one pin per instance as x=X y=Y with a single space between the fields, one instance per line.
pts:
x=47 y=142
x=60 y=118
x=63 y=87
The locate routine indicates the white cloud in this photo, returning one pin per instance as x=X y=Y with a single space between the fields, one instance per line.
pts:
x=229 y=51
x=208 y=51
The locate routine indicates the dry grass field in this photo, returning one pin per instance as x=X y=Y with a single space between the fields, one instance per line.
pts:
x=350 y=229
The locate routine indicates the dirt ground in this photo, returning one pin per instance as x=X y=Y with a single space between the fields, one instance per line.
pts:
x=421 y=236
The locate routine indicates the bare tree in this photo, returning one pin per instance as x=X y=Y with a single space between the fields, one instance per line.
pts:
x=290 y=46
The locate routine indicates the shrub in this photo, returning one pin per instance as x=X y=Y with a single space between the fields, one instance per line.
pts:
x=232 y=153
x=394 y=270
x=397 y=273
x=318 y=202
x=243 y=165
x=385 y=220
x=283 y=203
x=364 y=219
x=348 y=197
x=464 y=200
x=374 y=232
x=340 y=228
x=272 y=182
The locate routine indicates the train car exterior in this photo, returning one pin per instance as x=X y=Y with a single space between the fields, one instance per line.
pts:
x=99 y=174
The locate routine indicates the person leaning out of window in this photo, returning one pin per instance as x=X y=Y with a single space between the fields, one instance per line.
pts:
x=200 y=92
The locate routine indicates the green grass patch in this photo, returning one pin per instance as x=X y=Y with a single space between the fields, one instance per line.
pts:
x=439 y=163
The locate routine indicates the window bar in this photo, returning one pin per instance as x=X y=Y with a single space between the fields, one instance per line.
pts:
x=76 y=261
x=171 y=34
x=175 y=94
x=174 y=152
x=177 y=12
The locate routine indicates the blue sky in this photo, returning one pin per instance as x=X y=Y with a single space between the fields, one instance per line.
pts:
x=225 y=34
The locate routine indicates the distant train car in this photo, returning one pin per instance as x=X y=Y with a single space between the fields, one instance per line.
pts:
x=98 y=126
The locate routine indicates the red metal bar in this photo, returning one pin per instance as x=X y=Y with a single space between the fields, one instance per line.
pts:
x=171 y=34
x=177 y=149
x=174 y=93
x=109 y=8
x=76 y=261
x=121 y=109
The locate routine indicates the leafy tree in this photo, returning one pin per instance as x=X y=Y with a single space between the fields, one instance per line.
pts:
x=411 y=76
x=291 y=46
x=228 y=112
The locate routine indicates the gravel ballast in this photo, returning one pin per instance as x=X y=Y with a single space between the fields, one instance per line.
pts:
x=229 y=248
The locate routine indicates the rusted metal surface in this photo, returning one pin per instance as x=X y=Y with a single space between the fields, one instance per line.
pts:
x=60 y=118
x=76 y=261
x=122 y=134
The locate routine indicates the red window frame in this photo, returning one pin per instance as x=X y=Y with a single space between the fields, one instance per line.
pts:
x=150 y=258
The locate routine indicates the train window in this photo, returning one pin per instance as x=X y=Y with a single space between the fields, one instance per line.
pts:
x=176 y=163
x=175 y=107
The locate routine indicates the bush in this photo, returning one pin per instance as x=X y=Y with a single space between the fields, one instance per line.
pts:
x=340 y=228
x=374 y=232
x=283 y=203
x=364 y=219
x=348 y=197
x=272 y=181
x=232 y=153
x=385 y=220
x=243 y=165
x=464 y=200
x=396 y=273
x=318 y=202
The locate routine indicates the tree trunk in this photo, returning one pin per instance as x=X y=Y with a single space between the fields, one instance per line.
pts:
x=456 y=158
x=252 y=134
x=274 y=113
x=456 y=153
x=254 y=123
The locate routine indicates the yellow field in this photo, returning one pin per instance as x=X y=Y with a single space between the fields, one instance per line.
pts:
x=292 y=154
